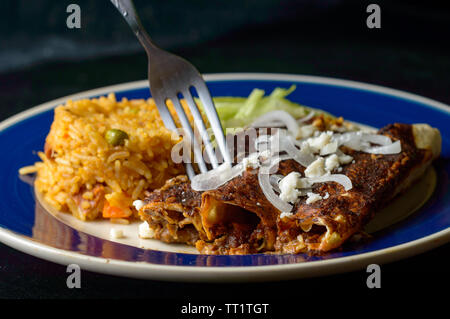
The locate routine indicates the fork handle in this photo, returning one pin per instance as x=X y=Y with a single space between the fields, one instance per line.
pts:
x=128 y=12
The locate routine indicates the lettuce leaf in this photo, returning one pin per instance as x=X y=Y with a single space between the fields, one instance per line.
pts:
x=239 y=112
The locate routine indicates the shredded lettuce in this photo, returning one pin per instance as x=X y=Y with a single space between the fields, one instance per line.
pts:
x=237 y=112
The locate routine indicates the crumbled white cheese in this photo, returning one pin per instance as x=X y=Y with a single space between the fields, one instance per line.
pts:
x=145 y=231
x=116 y=233
x=138 y=204
x=290 y=197
x=306 y=131
x=329 y=148
x=285 y=214
x=316 y=168
x=305 y=149
x=251 y=161
x=318 y=142
x=288 y=187
x=312 y=198
x=345 y=159
x=326 y=195
x=331 y=162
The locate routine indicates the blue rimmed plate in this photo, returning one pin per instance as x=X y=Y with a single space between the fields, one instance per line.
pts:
x=31 y=227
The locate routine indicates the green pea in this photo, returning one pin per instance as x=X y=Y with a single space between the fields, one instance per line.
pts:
x=115 y=137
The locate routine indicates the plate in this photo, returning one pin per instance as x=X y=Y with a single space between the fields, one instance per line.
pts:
x=25 y=224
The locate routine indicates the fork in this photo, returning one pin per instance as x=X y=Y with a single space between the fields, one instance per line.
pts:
x=169 y=77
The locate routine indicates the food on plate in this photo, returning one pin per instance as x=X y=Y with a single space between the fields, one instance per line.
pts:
x=102 y=154
x=302 y=180
x=320 y=194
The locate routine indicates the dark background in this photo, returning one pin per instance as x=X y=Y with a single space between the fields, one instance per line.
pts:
x=41 y=59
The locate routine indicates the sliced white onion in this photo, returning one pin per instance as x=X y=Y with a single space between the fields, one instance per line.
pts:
x=278 y=116
x=306 y=118
x=376 y=139
x=272 y=197
x=280 y=142
x=303 y=158
x=216 y=177
x=349 y=139
x=337 y=178
x=274 y=181
x=269 y=124
x=393 y=148
x=359 y=141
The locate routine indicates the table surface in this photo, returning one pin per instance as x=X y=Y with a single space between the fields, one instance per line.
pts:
x=420 y=67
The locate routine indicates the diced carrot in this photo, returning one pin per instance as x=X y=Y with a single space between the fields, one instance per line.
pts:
x=113 y=211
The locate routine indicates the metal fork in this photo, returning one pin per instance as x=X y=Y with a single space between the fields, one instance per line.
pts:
x=171 y=76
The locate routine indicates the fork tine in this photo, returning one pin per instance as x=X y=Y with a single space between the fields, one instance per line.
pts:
x=201 y=127
x=213 y=117
x=170 y=124
x=164 y=113
x=187 y=127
